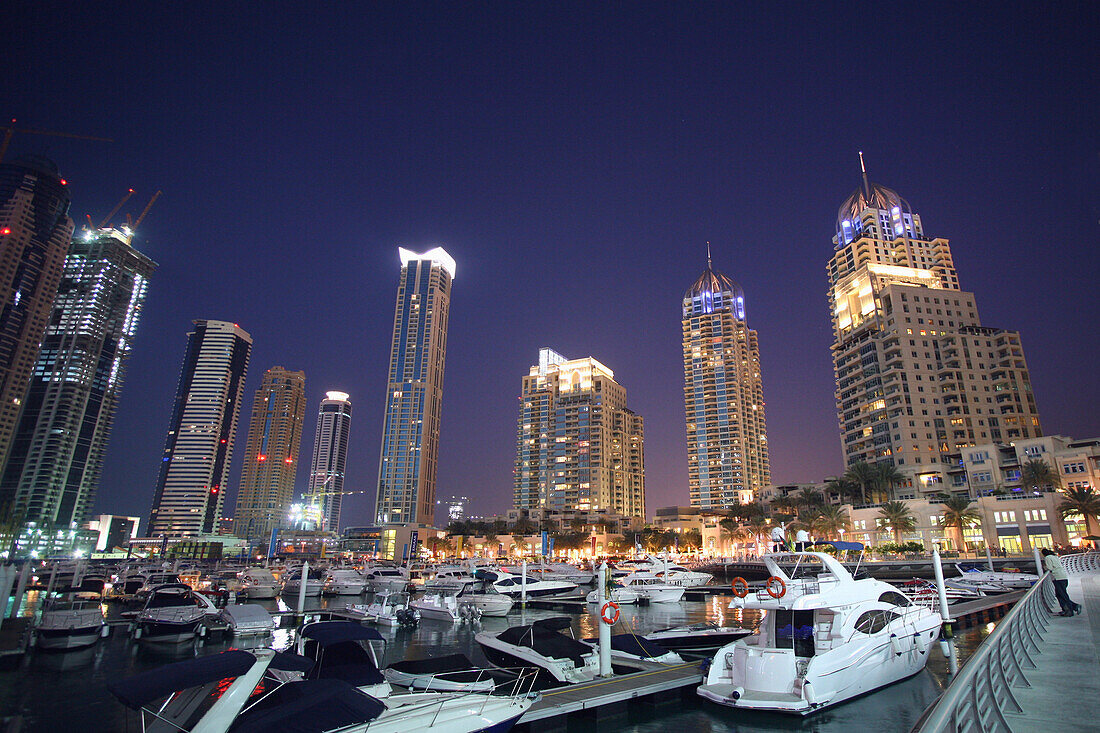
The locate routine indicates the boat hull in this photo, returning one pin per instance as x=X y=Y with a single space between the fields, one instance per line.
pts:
x=68 y=638
x=168 y=632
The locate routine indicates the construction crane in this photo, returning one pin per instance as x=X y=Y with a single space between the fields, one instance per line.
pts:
x=114 y=210
x=146 y=210
x=10 y=130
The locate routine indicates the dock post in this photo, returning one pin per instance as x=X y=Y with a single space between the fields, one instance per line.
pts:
x=605 y=628
x=945 y=612
x=302 y=592
x=7 y=579
x=523 y=585
x=988 y=559
x=20 y=588
x=1038 y=561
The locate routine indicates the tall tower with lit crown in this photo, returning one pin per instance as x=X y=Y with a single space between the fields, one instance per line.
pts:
x=271 y=454
x=723 y=395
x=918 y=377
x=414 y=390
x=330 y=456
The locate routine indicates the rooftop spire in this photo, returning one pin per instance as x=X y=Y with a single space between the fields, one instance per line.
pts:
x=708 y=255
x=866 y=183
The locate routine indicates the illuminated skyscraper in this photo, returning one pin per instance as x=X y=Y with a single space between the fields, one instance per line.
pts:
x=57 y=455
x=35 y=230
x=918 y=377
x=723 y=395
x=330 y=456
x=271 y=454
x=414 y=391
x=578 y=447
x=190 y=494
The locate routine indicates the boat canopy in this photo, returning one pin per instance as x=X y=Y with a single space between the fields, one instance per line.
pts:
x=308 y=706
x=434 y=665
x=542 y=637
x=556 y=623
x=637 y=645
x=291 y=662
x=327 y=633
x=135 y=692
x=852 y=546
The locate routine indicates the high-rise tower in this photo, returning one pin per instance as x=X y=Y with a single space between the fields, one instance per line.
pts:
x=727 y=433
x=35 y=230
x=57 y=455
x=190 y=492
x=330 y=456
x=271 y=454
x=918 y=377
x=414 y=391
x=578 y=447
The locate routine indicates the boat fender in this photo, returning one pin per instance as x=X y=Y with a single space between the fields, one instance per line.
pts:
x=808 y=692
x=137 y=632
x=105 y=631
x=918 y=642
x=895 y=644
x=736 y=693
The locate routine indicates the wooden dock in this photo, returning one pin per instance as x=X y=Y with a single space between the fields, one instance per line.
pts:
x=15 y=636
x=984 y=609
x=603 y=696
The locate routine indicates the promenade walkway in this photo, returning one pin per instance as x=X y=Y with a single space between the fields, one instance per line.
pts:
x=1064 y=692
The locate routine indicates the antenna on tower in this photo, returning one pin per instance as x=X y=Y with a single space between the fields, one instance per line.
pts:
x=708 y=255
x=866 y=183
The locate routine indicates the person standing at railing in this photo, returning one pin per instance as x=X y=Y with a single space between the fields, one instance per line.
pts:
x=1053 y=565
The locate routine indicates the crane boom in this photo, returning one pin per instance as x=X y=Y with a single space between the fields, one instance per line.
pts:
x=10 y=130
x=115 y=210
x=146 y=211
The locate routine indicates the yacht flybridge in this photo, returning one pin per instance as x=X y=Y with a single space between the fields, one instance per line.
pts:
x=825 y=638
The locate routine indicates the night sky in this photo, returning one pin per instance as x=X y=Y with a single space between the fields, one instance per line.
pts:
x=574 y=160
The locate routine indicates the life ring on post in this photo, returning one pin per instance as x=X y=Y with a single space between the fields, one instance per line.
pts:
x=609 y=614
x=740 y=587
x=775 y=586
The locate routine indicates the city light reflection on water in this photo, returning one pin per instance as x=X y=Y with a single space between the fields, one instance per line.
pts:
x=41 y=680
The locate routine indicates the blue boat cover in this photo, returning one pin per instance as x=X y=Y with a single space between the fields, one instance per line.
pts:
x=326 y=633
x=637 y=645
x=855 y=546
x=134 y=692
x=309 y=706
x=556 y=623
x=434 y=665
x=291 y=662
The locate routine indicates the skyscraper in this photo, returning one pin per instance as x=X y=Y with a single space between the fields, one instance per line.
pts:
x=57 y=455
x=271 y=454
x=918 y=377
x=578 y=447
x=727 y=433
x=330 y=456
x=190 y=493
x=35 y=229
x=414 y=391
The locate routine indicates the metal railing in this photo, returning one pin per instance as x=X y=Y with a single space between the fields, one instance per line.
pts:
x=981 y=693
x=1081 y=563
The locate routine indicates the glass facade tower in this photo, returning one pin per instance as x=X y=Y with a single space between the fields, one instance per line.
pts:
x=414 y=391
x=330 y=457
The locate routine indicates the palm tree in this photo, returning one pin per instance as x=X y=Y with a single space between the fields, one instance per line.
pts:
x=1037 y=474
x=842 y=488
x=830 y=520
x=959 y=513
x=810 y=498
x=521 y=543
x=491 y=540
x=523 y=525
x=863 y=475
x=783 y=505
x=887 y=477
x=758 y=528
x=439 y=544
x=896 y=515
x=1083 y=501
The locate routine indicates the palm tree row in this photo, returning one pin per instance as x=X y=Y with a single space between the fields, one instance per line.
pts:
x=869 y=482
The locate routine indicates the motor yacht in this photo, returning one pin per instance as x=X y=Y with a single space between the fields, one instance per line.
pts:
x=699 y=637
x=343 y=582
x=68 y=623
x=651 y=588
x=292 y=584
x=386 y=577
x=172 y=613
x=980 y=577
x=618 y=594
x=925 y=593
x=513 y=586
x=485 y=597
x=258 y=583
x=560 y=659
x=443 y=604
x=826 y=638
x=389 y=608
x=247 y=619
x=262 y=690
x=560 y=571
x=155 y=580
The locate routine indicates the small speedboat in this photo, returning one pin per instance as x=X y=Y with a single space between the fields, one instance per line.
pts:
x=651 y=588
x=560 y=659
x=925 y=593
x=514 y=587
x=978 y=577
x=67 y=623
x=247 y=619
x=450 y=673
x=482 y=594
x=631 y=647
x=387 y=609
x=344 y=650
x=444 y=605
x=700 y=637
x=172 y=613
x=258 y=583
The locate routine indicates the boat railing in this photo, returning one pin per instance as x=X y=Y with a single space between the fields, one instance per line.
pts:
x=521 y=687
x=978 y=697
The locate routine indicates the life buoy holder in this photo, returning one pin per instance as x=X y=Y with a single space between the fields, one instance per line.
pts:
x=740 y=587
x=775 y=586
x=609 y=613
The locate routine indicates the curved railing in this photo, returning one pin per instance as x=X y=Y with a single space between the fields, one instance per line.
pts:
x=981 y=693
x=1081 y=563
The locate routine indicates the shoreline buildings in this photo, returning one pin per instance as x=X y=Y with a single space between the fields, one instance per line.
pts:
x=35 y=231
x=271 y=454
x=56 y=457
x=414 y=390
x=330 y=457
x=578 y=447
x=918 y=377
x=723 y=395
x=189 y=496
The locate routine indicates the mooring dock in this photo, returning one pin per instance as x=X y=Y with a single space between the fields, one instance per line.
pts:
x=602 y=697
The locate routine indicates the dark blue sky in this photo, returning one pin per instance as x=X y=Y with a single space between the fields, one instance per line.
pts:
x=574 y=160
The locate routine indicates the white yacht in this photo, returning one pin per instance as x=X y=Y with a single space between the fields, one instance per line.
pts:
x=247 y=619
x=676 y=575
x=386 y=577
x=979 y=576
x=292 y=584
x=560 y=571
x=70 y=624
x=512 y=585
x=258 y=583
x=173 y=613
x=619 y=594
x=560 y=659
x=444 y=604
x=483 y=594
x=343 y=582
x=387 y=609
x=825 y=638
x=651 y=588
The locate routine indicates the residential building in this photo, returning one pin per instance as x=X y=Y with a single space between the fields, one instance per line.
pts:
x=578 y=446
x=414 y=390
x=114 y=530
x=35 y=229
x=271 y=454
x=727 y=433
x=56 y=458
x=330 y=457
x=189 y=498
x=919 y=378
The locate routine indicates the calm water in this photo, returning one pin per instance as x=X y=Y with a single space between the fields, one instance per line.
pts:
x=56 y=691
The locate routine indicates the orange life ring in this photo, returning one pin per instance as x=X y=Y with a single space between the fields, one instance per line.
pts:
x=772 y=591
x=609 y=614
x=740 y=587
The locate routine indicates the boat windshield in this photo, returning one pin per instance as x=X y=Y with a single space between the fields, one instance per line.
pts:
x=170 y=600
